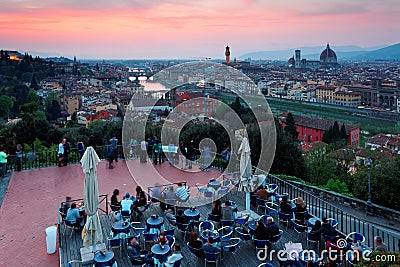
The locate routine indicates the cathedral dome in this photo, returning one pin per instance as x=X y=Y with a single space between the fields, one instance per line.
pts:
x=328 y=55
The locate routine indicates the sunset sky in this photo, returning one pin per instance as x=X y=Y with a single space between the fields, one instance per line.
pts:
x=117 y=29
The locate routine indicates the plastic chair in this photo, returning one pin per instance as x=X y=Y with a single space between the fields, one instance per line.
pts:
x=178 y=263
x=201 y=189
x=276 y=238
x=266 y=264
x=333 y=222
x=171 y=241
x=225 y=233
x=242 y=220
x=227 y=223
x=272 y=208
x=211 y=257
x=126 y=215
x=315 y=238
x=355 y=237
x=149 y=238
x=232 y=247
x=298 y=227
x=199 y=252
x=261 y=203
x=214 y=218
x=141 y=210
x=114 y=243
x=243 y=235
x=261 y=244
x=183 y=229
x=169 y=232
x=284 y=217
x=69 y=264
x=204 y=225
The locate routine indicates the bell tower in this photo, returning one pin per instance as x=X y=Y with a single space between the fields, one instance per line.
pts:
x=227 y=54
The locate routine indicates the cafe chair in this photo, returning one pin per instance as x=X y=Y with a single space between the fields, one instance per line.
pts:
x=206 y=225
x=126 y=215
x=208 y=194
x=149 y=238
x=169 y=232
x=113 y=207
x=314 y=238
x=225 y=233
x=177 y=263
x=141 y=210
x=171 y=241
x=276 y=238
x=261 y=203
x=333 y=222
x=241 y=221
x=232 y=247
x=272 y=208
x=355 y=237
x=243 y=234
x=201 y=189
x=227 y=223
x=183 y=229
x=298 y=227
x=214 y=218
x=114 y=243
x=261 y=245
x=198 y=252
x=211 y=257
x=285 y=218
x=69 y=225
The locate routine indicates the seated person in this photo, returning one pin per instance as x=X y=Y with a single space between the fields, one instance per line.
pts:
x=136 y=255
x=263 y=194
x=380 y=246
x=161 y=239
x=316 y=226
x=115 y=204
x=141 y=201
x=326 y=229
x=217 y=208
x=170 y=196
x=299 y=212
x=176 y=256
x=285 y=207
x=210 y=247
x=227 y=211
x=181 y=192
x=261 y=232
x=169 y=214
x=196 y=243
x=66 y=205
x=73 y=216
x=272 y=228
x=126 y=203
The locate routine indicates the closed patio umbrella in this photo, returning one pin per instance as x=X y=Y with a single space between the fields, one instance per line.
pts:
x=94 y=233
x=245 y=170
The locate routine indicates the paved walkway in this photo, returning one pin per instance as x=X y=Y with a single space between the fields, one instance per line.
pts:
x=30 y=204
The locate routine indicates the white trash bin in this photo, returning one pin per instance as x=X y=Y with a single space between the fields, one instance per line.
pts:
x=51 y=239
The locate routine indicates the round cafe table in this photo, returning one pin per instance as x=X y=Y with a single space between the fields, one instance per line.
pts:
x=191 y=214
x=207 y=233
x=160 y=253
x=215 y=184
x=106 y=260
x=121 y=227
x=154 y=224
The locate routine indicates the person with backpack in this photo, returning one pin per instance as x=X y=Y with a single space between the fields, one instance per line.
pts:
x=81 y=148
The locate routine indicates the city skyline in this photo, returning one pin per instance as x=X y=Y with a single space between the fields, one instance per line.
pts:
x=176 y=29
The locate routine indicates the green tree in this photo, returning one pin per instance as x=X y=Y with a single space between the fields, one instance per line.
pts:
x=335 y=132
x=6 y=104
x=34 y=84
x=291 y=126
x=33 y=96
x=343 y=134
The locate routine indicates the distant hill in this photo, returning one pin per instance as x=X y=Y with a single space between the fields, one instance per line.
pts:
x=343 y=53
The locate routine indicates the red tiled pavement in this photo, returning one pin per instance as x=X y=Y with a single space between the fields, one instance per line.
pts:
x=30 y=204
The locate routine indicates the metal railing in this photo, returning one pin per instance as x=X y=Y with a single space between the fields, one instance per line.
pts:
x=348 y=223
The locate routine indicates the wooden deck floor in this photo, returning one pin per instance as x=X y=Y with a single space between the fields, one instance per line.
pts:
x=246 y=256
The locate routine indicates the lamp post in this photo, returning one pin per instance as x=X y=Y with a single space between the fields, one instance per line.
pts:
x=369 y=207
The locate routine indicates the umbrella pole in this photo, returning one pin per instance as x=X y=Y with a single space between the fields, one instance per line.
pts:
x=93 y=244
x=248 y=202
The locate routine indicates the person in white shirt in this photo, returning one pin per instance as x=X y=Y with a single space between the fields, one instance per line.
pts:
x=126 y=203
x=181 y=192
x=176 y=256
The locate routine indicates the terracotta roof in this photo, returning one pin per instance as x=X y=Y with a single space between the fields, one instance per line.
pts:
x=378 y=139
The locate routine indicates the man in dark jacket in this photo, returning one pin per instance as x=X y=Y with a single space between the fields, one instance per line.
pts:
x=272 y=228
x=67 y=149
x=326 y=229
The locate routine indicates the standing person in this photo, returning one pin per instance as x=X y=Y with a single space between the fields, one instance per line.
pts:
x=114 y=145
x=3 y=162
x=18 y=155
x=143 y=151
x=110 y=155
x=157 y=152
x=60 y=153
x=227 y=211
x=67 y=149
x=133 y=144
x=81 y=148
x=226 y=156
x=207 y=158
